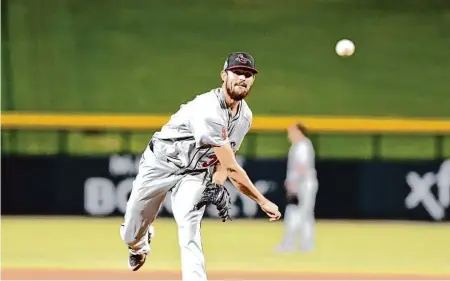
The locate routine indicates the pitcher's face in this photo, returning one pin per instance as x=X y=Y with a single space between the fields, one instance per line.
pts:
x=238 y=82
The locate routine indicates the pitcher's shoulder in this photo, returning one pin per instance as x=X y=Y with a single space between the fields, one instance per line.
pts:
x=209 y=97
x=246 y=111
x=209 y=105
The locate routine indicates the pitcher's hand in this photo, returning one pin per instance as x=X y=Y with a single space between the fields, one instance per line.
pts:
x=271 y=210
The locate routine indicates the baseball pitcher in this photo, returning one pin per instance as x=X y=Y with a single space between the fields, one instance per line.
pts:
x=192 y=156
x=301 y=186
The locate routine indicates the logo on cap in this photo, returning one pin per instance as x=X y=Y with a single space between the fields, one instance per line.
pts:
x=242 y=59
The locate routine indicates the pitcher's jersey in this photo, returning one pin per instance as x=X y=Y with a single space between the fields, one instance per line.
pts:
x=302 y=154
x=187 y=140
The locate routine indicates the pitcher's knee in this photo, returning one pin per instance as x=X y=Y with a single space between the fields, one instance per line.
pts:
x=128 y=234
x=187 y=234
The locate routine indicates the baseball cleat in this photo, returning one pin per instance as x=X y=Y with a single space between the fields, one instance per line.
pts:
x=136 y=261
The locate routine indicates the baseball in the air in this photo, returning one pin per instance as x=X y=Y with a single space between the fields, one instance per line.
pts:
x=345 y=48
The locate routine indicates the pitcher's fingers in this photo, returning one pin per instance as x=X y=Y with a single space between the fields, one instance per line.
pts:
x=275 y=217
x=270 y=215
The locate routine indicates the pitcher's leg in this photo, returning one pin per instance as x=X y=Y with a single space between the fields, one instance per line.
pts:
x=142 y=208
x=184 y=196
x=150 y=187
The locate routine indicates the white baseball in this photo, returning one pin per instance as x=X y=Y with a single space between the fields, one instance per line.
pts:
x=345 y=48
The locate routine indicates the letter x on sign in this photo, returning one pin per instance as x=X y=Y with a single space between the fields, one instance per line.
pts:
x=421 y=192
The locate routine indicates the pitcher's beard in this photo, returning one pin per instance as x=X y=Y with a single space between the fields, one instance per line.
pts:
x=236 y=95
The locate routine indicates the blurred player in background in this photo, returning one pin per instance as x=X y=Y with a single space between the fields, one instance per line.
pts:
x=301 y=186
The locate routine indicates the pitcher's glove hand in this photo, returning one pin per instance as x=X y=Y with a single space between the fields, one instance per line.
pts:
x=218 y=195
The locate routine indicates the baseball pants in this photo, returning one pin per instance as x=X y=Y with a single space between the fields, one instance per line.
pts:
x=155 y=178
x=300 y=219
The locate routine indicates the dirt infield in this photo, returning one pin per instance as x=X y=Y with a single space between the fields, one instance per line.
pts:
x=44 y=274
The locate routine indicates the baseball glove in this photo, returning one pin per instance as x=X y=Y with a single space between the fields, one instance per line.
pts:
x=218 y=195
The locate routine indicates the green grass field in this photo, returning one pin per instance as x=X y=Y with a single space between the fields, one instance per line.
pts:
x=377 y=247
x=131 y=57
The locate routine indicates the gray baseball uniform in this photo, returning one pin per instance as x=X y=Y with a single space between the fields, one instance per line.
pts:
x=301 y=173
x=180 y=159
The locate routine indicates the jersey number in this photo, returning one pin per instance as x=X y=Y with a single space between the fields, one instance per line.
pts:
x=212 y=160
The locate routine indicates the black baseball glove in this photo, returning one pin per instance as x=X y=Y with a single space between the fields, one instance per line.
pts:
x=218 y=195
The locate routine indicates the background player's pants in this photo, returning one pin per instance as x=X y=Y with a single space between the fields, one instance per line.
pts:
x=299 y=219
x=154 y=180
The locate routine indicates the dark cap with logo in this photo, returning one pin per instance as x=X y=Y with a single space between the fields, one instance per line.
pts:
x=240 y=60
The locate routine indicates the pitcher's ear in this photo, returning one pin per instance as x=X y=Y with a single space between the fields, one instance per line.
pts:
x=223 y=75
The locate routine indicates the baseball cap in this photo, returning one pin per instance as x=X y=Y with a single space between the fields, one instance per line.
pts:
x=240 y=60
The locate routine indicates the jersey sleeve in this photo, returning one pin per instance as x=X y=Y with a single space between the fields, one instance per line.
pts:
x=248 y=121
x=304 y=155
x=301 y=162
x=301 y=155
x=209 y=129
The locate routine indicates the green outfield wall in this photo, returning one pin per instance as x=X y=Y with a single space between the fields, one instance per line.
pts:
x=148 y=57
